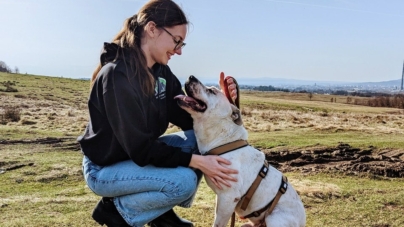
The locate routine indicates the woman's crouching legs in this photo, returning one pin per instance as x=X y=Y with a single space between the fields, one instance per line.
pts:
x=161 y=192
x=141 y=194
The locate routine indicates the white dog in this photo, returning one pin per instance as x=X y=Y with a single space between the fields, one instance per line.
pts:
x=216 y=123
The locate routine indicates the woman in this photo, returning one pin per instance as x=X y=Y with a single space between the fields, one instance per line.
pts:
x=141 y=174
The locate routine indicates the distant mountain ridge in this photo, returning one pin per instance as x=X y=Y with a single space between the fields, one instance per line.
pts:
x=292 y=82
x=383 y=83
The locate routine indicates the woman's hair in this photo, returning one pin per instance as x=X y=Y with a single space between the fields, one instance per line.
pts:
x=164 y=13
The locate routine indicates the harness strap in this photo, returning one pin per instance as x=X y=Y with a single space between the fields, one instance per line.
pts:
x=247 y=198
x=271 y=205
x=233 y=219
x=228 y=147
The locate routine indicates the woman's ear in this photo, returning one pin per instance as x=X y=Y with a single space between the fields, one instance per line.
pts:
x=150 y=29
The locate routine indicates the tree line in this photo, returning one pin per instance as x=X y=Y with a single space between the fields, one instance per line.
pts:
x=393 y=101
x=269 y=88
x=5 y=68
x=375 y=99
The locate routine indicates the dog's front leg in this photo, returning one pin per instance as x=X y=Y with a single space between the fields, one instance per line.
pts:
x=225 y=206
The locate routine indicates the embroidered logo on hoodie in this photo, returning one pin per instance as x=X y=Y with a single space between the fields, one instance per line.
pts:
x=160 y=88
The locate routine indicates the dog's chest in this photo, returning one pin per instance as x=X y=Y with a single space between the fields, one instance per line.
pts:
x=249 y=161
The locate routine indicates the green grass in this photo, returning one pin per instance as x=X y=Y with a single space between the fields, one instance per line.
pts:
x=360 y=202
x=300 y=102
x=52 y=193
x=48 y=106
x=49 y=189
x=62 y=90
x=21 y=133
x=48 y=192
x=300 y=138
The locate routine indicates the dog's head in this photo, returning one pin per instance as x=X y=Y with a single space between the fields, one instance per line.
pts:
x=208 y=101
x=216 y=120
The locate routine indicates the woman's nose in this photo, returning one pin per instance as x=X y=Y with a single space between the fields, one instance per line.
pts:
x=179 y=51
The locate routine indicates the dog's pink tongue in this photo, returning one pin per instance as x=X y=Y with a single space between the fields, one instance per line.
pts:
x=184 y=98
x=179 y=97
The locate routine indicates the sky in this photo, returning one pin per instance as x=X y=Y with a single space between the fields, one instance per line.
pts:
x=320 y=40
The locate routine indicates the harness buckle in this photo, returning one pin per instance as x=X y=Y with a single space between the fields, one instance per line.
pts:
x=264 y=171
x=283 y=189
x=256 y=214
x=284 y=185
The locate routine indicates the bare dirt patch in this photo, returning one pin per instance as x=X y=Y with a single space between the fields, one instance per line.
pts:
x=342 y=158
x=69 y=144
x=62 y=143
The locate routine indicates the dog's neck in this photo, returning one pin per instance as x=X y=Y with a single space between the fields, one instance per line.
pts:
x=214 y=134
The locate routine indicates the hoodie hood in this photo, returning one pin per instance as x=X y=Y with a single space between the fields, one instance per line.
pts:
x=109 y=53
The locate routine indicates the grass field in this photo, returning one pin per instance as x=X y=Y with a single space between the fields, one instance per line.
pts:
x=41 y=184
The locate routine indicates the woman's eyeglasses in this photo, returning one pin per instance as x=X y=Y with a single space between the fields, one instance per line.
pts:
x=178 y=43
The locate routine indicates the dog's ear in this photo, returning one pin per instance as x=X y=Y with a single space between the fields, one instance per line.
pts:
x=235 y=115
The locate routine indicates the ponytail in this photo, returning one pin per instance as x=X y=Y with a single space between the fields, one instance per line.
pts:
x=129 y=38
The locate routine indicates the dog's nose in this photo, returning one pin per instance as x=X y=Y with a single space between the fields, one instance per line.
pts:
x=192 y=78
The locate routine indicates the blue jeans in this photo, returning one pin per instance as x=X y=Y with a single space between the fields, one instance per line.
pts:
x=141 y=194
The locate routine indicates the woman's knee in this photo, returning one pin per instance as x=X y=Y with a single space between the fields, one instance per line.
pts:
x=187 y=182
x=186 y=140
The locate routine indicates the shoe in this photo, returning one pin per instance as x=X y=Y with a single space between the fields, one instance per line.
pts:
x=105 y=213
x=170 y=219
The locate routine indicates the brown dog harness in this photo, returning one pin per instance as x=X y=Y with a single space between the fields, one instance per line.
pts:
x=250 y=192
x=271 y=205
x=228 y=147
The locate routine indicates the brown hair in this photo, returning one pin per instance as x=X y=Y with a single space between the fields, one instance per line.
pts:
x=164 y=13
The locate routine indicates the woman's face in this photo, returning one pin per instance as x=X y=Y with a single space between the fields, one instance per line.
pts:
x=165 y=42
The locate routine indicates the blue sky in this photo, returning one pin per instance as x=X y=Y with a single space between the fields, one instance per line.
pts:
x=323 y=40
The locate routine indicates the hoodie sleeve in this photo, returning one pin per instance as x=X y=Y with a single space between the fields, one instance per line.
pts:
x=126 y=114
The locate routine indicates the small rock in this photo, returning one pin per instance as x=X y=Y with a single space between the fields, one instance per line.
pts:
x=19 y=180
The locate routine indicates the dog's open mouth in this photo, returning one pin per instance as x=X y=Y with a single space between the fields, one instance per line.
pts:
x=188 y=101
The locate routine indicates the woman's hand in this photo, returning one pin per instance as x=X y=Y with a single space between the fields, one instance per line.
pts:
x=214 y=168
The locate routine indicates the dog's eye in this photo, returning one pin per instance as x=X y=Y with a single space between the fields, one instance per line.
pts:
x=210 y=90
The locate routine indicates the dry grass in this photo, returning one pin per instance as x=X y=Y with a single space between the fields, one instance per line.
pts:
x=288 y=110
x=46 y=104
x=292 y=120
x=259 y=120
x=50 y=190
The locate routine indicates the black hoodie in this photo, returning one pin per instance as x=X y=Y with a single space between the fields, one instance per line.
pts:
x=124 y=123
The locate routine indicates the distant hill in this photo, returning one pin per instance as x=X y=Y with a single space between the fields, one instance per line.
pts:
x=278 y=82
x=282 y=82
x=272 y=81
x=382 y=83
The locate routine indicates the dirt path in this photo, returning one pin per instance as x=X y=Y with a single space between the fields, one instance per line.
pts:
x=63 y=143
x=68 y=144
x=343 y=158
